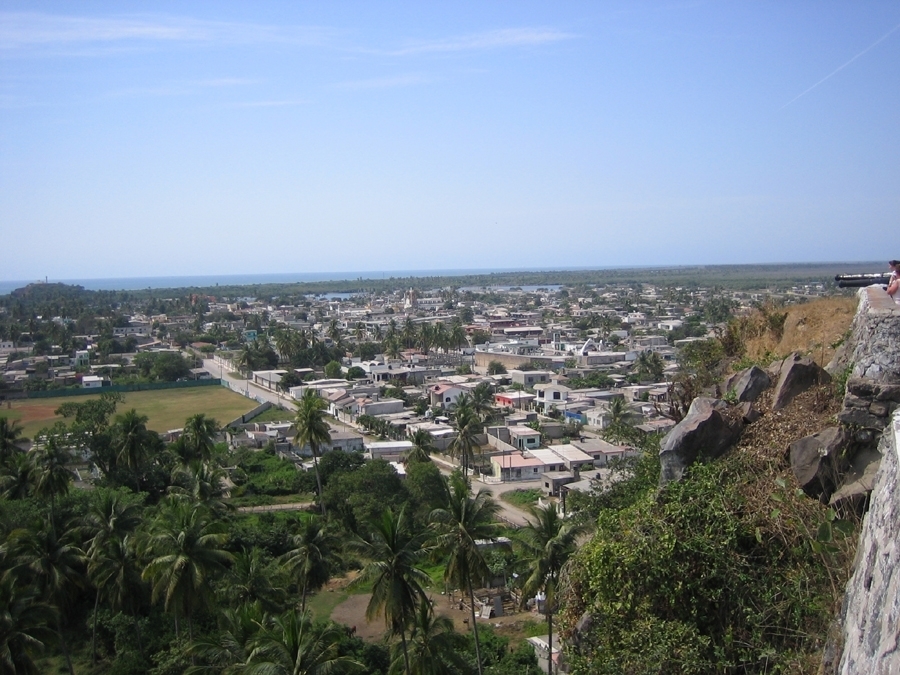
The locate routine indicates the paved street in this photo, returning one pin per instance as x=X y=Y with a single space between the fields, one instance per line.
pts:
x=508 y=512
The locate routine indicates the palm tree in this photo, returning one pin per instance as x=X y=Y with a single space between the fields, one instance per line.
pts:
x=229 y=651
x=423 y=446
x=309 y=561
x=619 y=428
x=334 y=331
x=312 y=430
x=650 y=365
x=10 y=435
x=107 y=525
x=131 y=442
x=17 y=478
x=546 y=543
x=245 y=358
x=483 y=401
x=434 y=646
x=467 y=424
x=201 y=484
x=186 y=550
x=394 y=551
x=51 y=476
x=199 y=437
x=23 y=626
x=285 y=344
x=114 y=571
x=458 y=335
x=463 y=522
x=52 y=565
x=303 y=339
x=462 y=407
x=392 y=347
x=409 y=332
x=250 y=580
x=426 y=337
x=294 y=645
x=618 y=411
x=440 y=336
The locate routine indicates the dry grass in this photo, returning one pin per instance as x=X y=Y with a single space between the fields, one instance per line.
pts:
x=814 y=328
x=165 y=408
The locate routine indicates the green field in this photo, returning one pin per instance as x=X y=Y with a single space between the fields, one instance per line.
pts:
x=275 y=414
x=165 y=408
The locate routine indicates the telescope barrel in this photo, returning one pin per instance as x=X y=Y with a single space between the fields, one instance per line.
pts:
x=861 y=280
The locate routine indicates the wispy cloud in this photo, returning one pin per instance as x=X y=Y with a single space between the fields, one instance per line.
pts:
x=183 y=87
x=841 y=67
x=494 y=39
x=383 y=82
x=21 y=31
x=266 y=104
x=226 y=82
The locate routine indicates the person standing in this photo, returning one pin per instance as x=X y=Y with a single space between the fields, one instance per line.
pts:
x=893 y=288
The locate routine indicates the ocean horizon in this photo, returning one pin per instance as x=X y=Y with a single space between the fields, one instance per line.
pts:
x=210 y=280
x=206 y=280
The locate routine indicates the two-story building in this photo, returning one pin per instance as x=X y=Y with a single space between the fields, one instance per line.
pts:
x=549 y=396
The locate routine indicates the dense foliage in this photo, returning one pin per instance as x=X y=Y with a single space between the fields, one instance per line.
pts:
x=723 y=572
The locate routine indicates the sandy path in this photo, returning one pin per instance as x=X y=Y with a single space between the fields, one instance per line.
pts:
x=352 y=612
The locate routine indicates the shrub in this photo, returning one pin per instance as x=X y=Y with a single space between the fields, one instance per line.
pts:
x=720 y=572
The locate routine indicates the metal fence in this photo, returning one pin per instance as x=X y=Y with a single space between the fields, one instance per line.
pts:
x=139 y=386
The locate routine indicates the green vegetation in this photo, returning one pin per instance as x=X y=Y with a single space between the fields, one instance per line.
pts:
x=162 y=366
x=275 y=414
x=721 y=572
x=522 y=498
x=262 y=473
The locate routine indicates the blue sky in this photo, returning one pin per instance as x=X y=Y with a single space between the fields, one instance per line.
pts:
x=152 y=139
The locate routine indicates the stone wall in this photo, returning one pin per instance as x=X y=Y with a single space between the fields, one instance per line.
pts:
x=870 y=616
x=873 y=350
x=867 y=637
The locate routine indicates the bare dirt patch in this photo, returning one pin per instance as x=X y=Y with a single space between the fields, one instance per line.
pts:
x=352 y=613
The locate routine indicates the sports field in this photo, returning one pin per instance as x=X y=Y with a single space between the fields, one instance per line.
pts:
x=165 y=408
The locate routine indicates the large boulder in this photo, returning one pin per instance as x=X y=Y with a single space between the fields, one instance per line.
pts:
x=798 y=373
x=816 y=461
x=853 y=494
x=703 y=434
x=748 y=384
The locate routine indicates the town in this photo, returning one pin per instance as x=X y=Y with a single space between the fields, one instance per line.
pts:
x=547 y=366
x=542 y=401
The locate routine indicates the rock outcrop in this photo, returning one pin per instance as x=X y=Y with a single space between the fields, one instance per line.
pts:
x=703 y=434
x=797 y=374
x=817 y=462
x=748 y=384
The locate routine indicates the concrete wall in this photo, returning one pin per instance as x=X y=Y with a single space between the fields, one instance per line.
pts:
x=258 y=410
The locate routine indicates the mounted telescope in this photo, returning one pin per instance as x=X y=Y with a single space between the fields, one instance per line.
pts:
x=861 y=280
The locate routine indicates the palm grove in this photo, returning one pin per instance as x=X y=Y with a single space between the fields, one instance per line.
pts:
x=154 y=571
